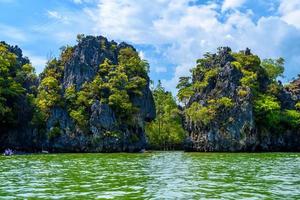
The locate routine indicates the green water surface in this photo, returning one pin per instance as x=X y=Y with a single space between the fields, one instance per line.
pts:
x=158 y=175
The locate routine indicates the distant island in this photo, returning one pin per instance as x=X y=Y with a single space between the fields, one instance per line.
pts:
x=96 y=97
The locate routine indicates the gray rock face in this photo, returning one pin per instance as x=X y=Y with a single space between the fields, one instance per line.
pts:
x=104 y=132
x=102 y=117
x=87 y=57
x=234 y=129
x=146 y=104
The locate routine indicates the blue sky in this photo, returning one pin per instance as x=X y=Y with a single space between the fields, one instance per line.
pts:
x=170 y=34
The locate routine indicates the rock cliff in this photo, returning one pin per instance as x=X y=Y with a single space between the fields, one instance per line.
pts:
x=94 y=98
x=105 y=130
x=225 y=102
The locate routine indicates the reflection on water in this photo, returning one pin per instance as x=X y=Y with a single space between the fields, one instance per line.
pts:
x=159 y=175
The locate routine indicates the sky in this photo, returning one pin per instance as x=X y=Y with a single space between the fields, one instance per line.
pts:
x=170 y=34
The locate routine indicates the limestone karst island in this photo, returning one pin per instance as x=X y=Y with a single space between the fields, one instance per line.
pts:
x=149 y=99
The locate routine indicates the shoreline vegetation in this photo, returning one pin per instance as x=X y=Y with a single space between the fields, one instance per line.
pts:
x=20 y=153
x=97 y=96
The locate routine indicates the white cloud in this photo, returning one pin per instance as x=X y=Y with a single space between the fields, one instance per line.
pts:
x=232 y=4
x=182 y=32
x=64 y=26
x=12 y=34
x=290 y=12
x=83 y=1
x=77 y=1
x=57 y=16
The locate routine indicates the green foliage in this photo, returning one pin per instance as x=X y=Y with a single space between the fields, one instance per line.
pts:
x=132 y=63
x=66 y=54
x=49 y=92
x=80 y=117
x=184 y=94
x=78 y=104
x=249 y=79
x=113 y=47
x=208 y=75
x=225 y=102
x=242 y=93
x=267 y=111
x=199 y=114
x=54 y=133
x=184 y=82
x=103 y=44
x=166 y=131
x=259 y=80
x=114 y=84
x=266 y=103
x=12 y=78
x=274 y=68
x=297 y=105
x=120 y=102
x=70 y=94
x=188 y=89
x=247 y=62
x=80 y=37
x=291 y=118
x=249 y=65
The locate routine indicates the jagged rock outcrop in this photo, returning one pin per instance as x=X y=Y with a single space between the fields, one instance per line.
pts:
x=53 y=128
x=234 y=128
x=104 y=132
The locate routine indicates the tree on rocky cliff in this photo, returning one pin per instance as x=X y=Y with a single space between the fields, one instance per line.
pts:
x=113 y=84
x=16 y=73
x=224 y=84
x=166 y=131
x=185 y=90
x=49 y=91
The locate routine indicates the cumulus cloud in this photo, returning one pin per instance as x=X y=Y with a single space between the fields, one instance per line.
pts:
x=232 y=4
x=183 y=30
x=83 y=1
x=190 y=30
x=290 y=11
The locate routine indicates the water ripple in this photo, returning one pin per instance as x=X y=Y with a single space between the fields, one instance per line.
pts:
x=159 y=175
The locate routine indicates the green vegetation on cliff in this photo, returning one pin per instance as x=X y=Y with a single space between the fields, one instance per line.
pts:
x=16 y=75
x=113 y=84
x=103 y=96
x=259 y=79
x=49 y=91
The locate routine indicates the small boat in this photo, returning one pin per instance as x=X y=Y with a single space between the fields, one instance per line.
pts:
x=8 y=152
x=45 y=152
x=142 y=151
